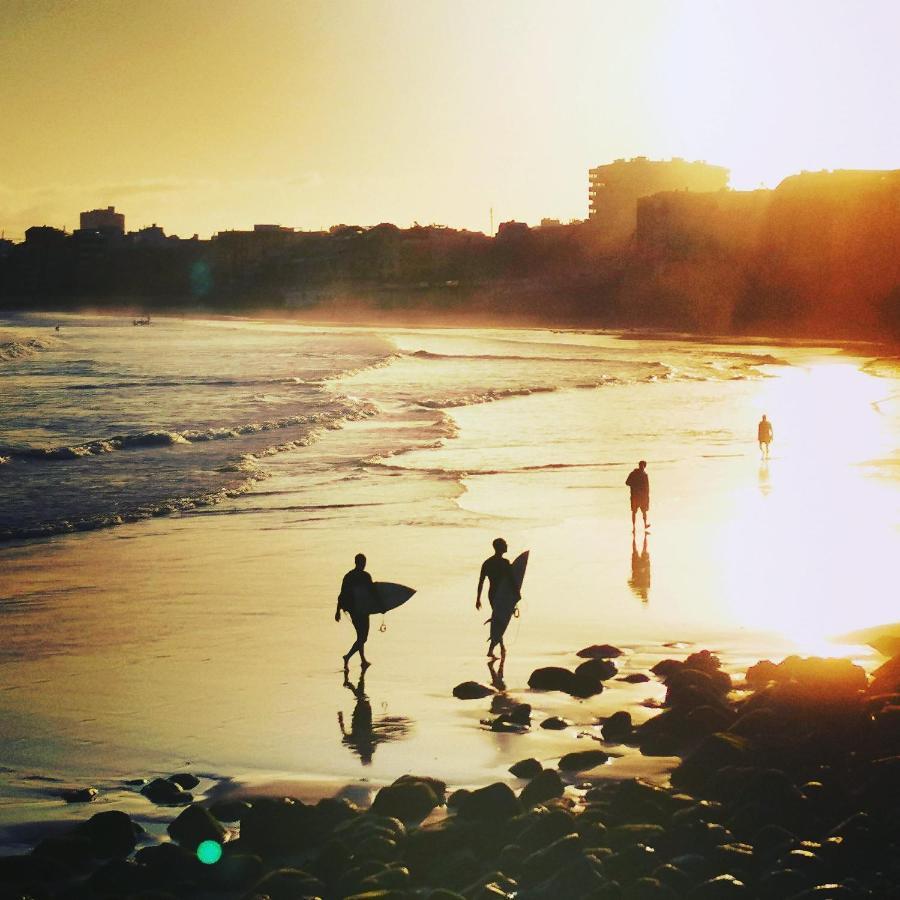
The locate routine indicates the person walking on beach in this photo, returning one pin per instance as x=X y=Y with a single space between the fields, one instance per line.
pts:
x=498 y=572
x=639 y=483
x=764 y=435
x=356 y=590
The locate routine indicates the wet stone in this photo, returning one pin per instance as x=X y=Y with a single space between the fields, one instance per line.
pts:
x=555 y=723
x=582 y=760
x=526 y=768
x=471 y=690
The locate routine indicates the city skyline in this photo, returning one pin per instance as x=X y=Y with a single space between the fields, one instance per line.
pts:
x=206 y=117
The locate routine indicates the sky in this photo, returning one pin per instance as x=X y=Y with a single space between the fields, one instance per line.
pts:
x=204 y=115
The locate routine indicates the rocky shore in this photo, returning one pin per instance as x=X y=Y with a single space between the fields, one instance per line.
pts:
x=786 y=789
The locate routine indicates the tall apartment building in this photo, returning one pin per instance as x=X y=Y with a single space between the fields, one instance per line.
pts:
x=107 y=221
x=616 y=187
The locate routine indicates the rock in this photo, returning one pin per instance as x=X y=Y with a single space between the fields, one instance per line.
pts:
x=526 y=768
x=288 y=884
x=235 y=872
x=635 y=678
x=714 y=753
x=229 y=810
x=184 y=780
x=493 y=803
x=617 y=727
x=80 y=795
x=722 y=887
x=552 y=678
x=675 y=878
x=439 y=787
x=543 y=827
x=471 y=690
x=409 y=801
x=166 y=793
x=582 y=760
x=544 y=786
x=622 y=836
x=599 y=651
x=277 y=824
x=169 y=862
x=600 y=669
x=650 y=889
x=69 y=849
x=762 y=673
x=520 y=714
x=546 y=862
x=631 y=863
x=555 y=723
x=194 y=825
x=120 y=877
x=112 y=834
x=886 y=678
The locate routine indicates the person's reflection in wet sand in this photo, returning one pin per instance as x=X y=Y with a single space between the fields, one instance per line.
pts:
x=366 y=733
x=765 y=484
x=497 y=673
x=640 y=571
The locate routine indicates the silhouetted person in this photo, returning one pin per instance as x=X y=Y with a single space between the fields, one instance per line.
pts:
x=498 y=572
x=640 y=570
x=639 y=483
x=366 y=733
x=356 y=587
x=764 y=435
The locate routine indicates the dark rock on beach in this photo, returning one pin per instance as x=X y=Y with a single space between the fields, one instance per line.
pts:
x=472 y=690
x=599 y=651
x=166 y=793
x=582 y=760
x=544 y=786
x=80 y=795
x=408 y=799
x=526 y=768
x=195 y=825
x=555 y=723
x=184 y=780
x=552 y=678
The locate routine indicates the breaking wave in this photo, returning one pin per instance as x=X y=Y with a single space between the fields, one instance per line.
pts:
x=25 y=348
x=352 y=411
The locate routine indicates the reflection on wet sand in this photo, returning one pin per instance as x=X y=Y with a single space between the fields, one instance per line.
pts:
x=765 y=483
x=640 y=571
x=366 y=733
x=495 y=668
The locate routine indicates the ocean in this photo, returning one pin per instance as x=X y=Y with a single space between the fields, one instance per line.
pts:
x=180 y=501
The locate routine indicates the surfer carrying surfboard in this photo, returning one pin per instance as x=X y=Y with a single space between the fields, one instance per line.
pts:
x=504 y=591
x=358 y=599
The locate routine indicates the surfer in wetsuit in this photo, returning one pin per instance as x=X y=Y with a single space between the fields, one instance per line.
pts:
x=764 y=435
x=355 y=588
x=639 y=483
x=498 y=572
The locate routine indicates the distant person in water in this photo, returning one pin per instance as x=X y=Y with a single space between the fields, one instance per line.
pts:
x=639 y=483
x=764 y=435
x=356 y=587
x=498 y=571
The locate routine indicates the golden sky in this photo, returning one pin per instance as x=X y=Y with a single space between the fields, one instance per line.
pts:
x=202 y=115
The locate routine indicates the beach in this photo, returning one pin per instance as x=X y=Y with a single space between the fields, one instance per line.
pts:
x=194 y=630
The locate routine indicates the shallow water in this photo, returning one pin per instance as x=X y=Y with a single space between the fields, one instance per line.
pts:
x=205 y=639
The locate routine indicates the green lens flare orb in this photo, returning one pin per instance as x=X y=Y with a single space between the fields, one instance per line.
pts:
x=209 y=852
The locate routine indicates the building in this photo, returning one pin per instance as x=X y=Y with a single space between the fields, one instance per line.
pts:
x=107 y=221
x=616 y=188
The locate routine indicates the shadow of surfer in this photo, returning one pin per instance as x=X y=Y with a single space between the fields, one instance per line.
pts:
x=503 y=594
x=366 y=733
x=356 y=588
x=640 y=570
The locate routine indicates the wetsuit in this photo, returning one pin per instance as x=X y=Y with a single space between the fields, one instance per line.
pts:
x=349 y=602
x=498 y=571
